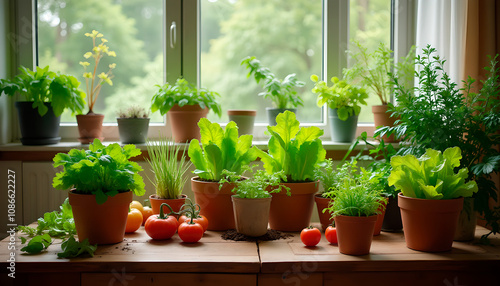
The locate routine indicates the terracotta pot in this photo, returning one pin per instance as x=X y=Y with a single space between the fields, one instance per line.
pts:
x=325 y=218
x=184 y=122
x=251 y=215
x=175 y=204
x=215 y=204
x=382 y=118
x=429 y=225
x=380 y=218
x=101 y=224
x=466 y=227
x=355 y=233
x=392 y=219
x=36 y=129
x=273 y=112
x=90 y=127
x=293 y=213
x=245 y=120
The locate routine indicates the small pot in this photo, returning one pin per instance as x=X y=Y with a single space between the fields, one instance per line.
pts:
x=251 y=215
x=184 y=122
x=383 y=118
x=342 y=131
x=392 y=219
x=36 y=129
x=325 y=218
x=133 y=130
x=175 y=204
x=90 y=127
x=466 y=227
x=355 y=234
x=273 y=112
x=101 y=224
x=380 y=217
x=245 y=120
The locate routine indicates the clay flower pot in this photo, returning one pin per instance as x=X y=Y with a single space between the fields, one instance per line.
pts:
x=90 y=127
x=245 y=120
x=355 y=234
x=429 y=225
x=101 y=224
x=215 y=204
x=175 y=204
x=324 y=218
x=382 y=118
x=184 y=122
x=293 y=213
x=380 y=218
x=251 y=215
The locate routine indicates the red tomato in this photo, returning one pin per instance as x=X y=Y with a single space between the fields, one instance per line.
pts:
x=310 y=236
x=331 y=235
x=134 y=220
x=160 y=228
x=202 y=220
x=146 y=213
x=190 y=232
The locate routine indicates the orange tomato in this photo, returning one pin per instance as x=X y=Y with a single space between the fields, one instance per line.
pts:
x=134 y=220
x=136 y=205
x=146 y=212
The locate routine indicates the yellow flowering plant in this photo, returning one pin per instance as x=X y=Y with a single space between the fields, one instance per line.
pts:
x=94 y=83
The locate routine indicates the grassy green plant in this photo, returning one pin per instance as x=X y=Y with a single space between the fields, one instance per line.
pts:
x=282 y=92
x=168 y=168
x=133 y=111
x=257 y=186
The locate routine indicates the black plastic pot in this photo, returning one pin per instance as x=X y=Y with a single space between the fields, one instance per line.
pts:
x=273 y=112
x=392 y=219
x=36 y=129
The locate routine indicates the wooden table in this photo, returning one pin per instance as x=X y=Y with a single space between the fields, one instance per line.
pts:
x=213 y=261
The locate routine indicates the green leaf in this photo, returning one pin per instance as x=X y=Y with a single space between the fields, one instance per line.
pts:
x=37 y=244
x=197 y=158
x=72 y=248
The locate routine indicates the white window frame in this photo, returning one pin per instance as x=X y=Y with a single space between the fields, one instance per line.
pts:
x=178 y=50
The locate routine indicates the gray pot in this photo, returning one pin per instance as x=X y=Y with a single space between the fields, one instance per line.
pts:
x=466 y=227
x=273 y=112
x=342 y=131
x=251 y=215
x=245 y=120
x=133 y=130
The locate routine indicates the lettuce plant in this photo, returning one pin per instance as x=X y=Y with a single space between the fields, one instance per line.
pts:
x=220 y=150
x=295 y=150
x=259 y=186
x=432 y=176
x=102 y=171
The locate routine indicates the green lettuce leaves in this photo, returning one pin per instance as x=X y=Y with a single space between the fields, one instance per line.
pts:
x=432 y=176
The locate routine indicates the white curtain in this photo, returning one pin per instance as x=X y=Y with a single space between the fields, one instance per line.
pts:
x=442 y=24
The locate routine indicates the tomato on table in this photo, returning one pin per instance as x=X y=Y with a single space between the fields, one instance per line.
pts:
x=136 y=205
x=134 y=220
x=190 y=231
x=310 y=236
x=146 y=213
x=161 y=226
x=331 y=235
x=201 y=219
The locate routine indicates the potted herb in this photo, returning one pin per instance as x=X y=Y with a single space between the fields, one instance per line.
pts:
x=46 y=95
x=355 y=209
x=297 y=151
x=344 y=102
x=282 y=92
x=133 y=125
x=90 y=124
x=431 y=197
x=252 y=201
x=326 y=176
x=373 y=71
x=184 y=105
x=101 y=181
x=168 y=166
x=219 y=150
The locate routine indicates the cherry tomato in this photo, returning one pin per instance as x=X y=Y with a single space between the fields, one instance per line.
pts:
x=134 y=220
x=190 y=232
x=146 y=212
x=331 y=235
x=310 y=236
x=136 y=205
x=161 y=226
x=202 y=220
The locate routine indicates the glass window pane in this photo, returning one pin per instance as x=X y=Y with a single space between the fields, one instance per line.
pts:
x=134 y=31
x=286 y=36
x=370 y=24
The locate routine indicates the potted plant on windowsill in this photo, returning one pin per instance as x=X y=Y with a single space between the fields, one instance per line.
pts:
x=168 y=166
x=355 y=209
x=431 y=197
x=90 y=124
x=101 y=182
x=47 y=94
x=220 y=150
x=282 y=92
x=296 y=151
x=184 y=105
x=252 y=200
x=133 y=125
x=344 y=104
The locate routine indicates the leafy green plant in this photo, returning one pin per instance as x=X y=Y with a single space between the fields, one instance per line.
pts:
x=37 y=244
x=102 y=171
x=97 y=53
x=220 y=150
x=134 y=111
x=259 y=186
x=355 y=192
x=168 y=168
x=431 y=176
x=183 y=93
x=344 y=97
x=326 y=176
x=43 y=85
x=72 y=248
x=282 y=92
x=297 y=151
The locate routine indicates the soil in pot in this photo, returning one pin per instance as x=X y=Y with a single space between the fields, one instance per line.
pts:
x=355 y=234
x=342 y=131
x=90 y=127
x=251 y=215
x=133 y=130
x=175 y=204
x=184 y=122
x=325 y=218
x=273 y=112
x=36 y=129
x=245 y=120
x=101 y=224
